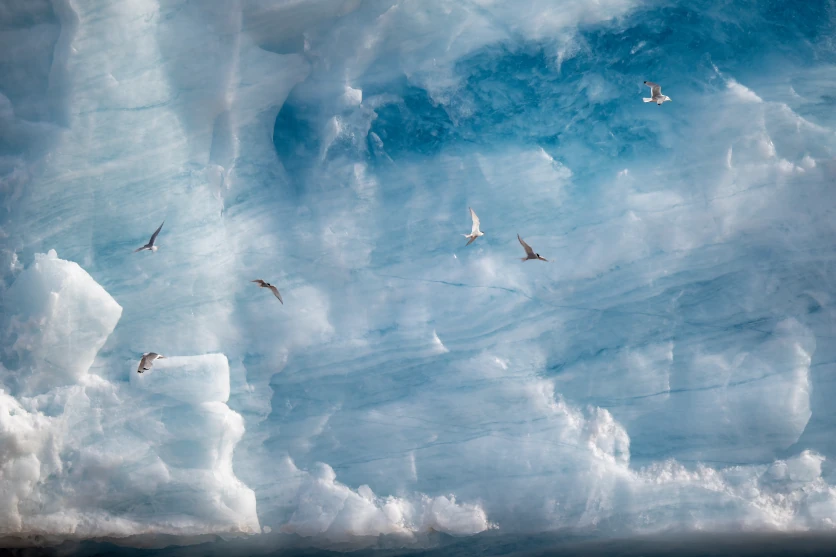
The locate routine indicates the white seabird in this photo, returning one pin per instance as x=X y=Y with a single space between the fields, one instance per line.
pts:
x=656 y=95
x=529 y=253
x=148 y=361
x=150 y=245
x=275 y=290
x=474 y=232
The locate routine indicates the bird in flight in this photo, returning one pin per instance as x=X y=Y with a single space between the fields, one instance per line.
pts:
x=148 y=361
x=475 y=232
x=275 y=290
x=656 y=95
x=150 y=245
x=529 y=253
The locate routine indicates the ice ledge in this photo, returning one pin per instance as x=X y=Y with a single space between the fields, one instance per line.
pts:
x=190 y=379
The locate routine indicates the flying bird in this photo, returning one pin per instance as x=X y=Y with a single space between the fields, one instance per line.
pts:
x=148 y=361
x=275 y=290
x=150 y=245
x=475 y=232
x=656 y=95
x=529 y=253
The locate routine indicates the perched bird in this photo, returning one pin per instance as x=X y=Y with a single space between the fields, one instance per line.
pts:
x=150 y=245
x=474 y=232
x=148 y=361
x=529 y=253
x=275 y=290
x=656 y=95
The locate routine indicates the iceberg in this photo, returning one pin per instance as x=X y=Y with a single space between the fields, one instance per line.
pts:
x=109 y=457
x=57 y=320
x=669 y=370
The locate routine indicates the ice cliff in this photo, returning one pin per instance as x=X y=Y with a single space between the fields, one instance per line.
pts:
x=671 y=369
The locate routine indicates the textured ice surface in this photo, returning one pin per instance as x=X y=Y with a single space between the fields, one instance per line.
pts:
x=85 y=456
x=192 y=379
x=56 y=318
x=671 y=368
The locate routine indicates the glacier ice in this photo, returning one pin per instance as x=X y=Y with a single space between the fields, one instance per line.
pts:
x=58 y=318
x=670 y=370
x=190 y=379
x=87 y=456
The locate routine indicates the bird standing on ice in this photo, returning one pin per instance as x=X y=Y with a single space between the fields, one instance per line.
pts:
x=474 y=232
x=529 y=253
x=148 y=361
x=656 y=95
x=150 y=245
x=275 y=290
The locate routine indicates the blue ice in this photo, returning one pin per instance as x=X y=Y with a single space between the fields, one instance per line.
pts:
x=669 y=369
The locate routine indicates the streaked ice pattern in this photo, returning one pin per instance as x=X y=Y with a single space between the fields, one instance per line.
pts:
x=670 y=369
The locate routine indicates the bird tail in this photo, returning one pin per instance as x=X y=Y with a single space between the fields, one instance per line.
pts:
x=648 y=100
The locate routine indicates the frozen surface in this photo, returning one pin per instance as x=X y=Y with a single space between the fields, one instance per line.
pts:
x=56 y=318
x=191 y=379
x=670 y=368
x=86 y=456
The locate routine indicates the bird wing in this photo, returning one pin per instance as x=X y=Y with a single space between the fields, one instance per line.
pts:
x=276 y=292
x=145 y=362
x=473 y=216
x=154 y=235
x=142 y=248
x=655 y=88
x=260 y=282
x=525 y=246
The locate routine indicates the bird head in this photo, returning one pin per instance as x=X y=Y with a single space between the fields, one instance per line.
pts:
x=153 y=248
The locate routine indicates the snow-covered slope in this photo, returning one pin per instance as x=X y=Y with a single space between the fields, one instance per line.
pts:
x=670 y=367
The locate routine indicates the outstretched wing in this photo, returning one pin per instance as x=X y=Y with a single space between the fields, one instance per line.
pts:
x=276 y=293
x=154 y=235
x=473 y=216
x=526 y=247
x=144 y=363
x=260 y=282
x=655 y=88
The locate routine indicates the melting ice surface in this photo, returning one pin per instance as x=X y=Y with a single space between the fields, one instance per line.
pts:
x=671 y=369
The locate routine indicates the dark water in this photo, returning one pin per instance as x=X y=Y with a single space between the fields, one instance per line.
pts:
x=686 y=545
